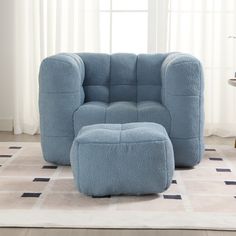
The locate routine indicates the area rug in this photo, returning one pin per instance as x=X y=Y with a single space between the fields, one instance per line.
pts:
x=34 y=193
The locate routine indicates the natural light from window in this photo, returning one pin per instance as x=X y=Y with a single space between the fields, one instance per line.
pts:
x=124 y=25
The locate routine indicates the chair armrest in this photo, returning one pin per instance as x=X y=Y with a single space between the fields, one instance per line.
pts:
x=60 y=94
x=182 y=95
x=181 y=76
x=61 y=73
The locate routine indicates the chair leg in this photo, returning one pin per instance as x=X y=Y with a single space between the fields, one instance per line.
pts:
x=235 y=143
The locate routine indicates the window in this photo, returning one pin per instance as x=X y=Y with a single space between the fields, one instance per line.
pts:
x=124 y=26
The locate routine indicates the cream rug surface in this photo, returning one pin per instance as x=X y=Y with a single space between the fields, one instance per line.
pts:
x=34 y=193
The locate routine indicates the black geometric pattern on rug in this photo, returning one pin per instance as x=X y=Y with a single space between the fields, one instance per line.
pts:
x=230 y=182
x=30 y=194
x=106 y=196
x=14 y=147
x=41 y=179
x=49 y=167
x=176 y=197
x=210 y=149
x=223 y=170
x=5 y=155
x=215 y=159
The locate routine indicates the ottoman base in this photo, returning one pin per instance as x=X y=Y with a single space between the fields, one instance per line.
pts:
x=118 y=159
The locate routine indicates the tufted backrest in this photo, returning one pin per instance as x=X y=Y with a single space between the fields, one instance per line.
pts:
x=122 y=77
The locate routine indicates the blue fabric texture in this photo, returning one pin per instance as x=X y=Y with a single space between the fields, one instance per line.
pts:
x=60 y=94
x=90 y=88
x=182 y=95
x=121 y=112
x=115 y=159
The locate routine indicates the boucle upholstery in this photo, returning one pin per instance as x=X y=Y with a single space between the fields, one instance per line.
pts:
x=121 y=112
x=90 y=88
x=114 y=159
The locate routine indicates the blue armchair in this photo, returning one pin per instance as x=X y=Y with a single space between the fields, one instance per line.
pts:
x=88 y=88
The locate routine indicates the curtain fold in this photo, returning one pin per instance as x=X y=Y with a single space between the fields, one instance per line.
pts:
x=44 y=28
x=202 y=28
x=158 y=23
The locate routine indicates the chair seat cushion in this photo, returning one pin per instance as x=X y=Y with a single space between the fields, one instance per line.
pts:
x=120 y=113
x=114 y=159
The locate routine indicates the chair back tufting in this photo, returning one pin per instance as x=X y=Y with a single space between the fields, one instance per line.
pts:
x=122 y=77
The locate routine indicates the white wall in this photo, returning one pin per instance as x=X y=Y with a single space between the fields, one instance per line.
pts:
x=6 y=64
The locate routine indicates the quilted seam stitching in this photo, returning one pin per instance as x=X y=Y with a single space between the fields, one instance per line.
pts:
x=166 y=168
x=200 y=113
x=106 y=143
x=77 y=151
x=110 y=66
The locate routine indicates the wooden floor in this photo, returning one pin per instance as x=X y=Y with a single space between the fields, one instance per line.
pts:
x=109 y=232
x=10 y=137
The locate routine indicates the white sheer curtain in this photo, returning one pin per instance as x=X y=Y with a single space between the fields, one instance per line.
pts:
x=198 y=27
x=201 y=28
x=43 y=28
x=158 y=25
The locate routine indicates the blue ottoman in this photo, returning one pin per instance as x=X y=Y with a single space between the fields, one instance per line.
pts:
x=115 y=159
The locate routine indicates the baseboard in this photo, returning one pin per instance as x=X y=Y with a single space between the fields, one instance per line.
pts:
x=6 y=124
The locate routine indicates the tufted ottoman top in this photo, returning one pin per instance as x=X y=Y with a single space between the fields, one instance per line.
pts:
x=113 y=159
x=122 y=133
